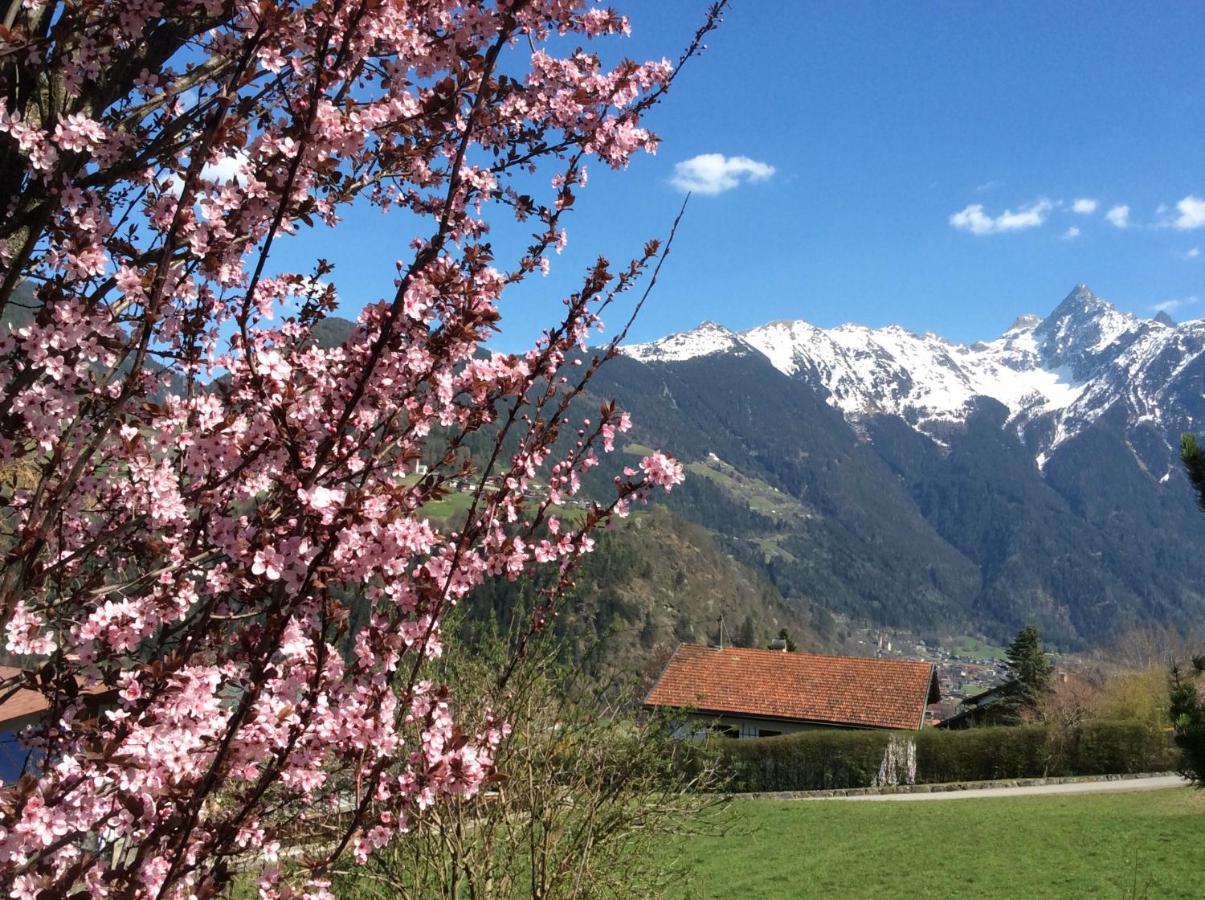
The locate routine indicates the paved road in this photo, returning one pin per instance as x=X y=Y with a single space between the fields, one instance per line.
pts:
x=1157 y=783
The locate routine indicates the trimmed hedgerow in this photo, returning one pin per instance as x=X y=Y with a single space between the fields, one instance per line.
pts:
x=836 y=759
x=982 y=754
x=807 y=761
x=1106 y=748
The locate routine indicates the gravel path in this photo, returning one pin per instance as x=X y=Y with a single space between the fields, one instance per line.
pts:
x=1156 y=783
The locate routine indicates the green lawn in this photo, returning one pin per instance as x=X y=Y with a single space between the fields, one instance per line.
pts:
x=454 y=504
x=1122 y=845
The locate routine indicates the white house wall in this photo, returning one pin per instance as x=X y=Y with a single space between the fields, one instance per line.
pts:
x=697 y=727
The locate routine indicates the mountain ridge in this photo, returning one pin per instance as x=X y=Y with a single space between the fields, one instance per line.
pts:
x=1067 y=368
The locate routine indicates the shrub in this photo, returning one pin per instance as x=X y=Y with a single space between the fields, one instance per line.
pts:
x=583 y=795
x=1107 y=748
x=837 y=759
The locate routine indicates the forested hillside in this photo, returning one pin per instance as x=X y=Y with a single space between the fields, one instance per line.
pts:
x=654 y=580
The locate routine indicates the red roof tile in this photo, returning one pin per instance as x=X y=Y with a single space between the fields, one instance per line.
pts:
x=25 y=702
x=803 y=687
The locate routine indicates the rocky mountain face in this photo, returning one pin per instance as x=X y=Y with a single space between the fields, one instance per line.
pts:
x=945 y=485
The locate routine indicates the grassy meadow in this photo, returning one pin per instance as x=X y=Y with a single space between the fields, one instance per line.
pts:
x=1142 y=845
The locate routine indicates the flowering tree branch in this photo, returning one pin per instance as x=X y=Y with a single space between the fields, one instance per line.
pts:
x=197 y=490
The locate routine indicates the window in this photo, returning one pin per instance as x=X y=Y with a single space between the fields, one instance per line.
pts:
x=765 y=732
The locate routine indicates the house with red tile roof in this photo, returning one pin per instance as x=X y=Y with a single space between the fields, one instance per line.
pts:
x=763 y=693
x=21 y=706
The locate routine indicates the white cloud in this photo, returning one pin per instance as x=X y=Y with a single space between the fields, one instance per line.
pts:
x=1071 y=233
x=714 y=173
x=226 y=169
x=1192 y=213
x=976 y=221
x=1169 y=306
x=988 y=186
x=1085 y=206
x=1119 y=216
x=1190 y=253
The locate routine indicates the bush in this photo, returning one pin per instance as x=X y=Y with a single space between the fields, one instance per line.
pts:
x=584 y=794
x=1108 y=748
x=832 y=759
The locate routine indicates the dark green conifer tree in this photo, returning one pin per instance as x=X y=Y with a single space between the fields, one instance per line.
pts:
x=1193 y=455
x=1187 y=710
x=1187 y=700
x=1030 y=674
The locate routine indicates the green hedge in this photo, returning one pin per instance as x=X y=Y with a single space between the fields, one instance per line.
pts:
x=834 y=759
x=807 y=761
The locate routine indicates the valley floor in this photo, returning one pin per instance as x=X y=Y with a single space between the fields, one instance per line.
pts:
x=1125 y=845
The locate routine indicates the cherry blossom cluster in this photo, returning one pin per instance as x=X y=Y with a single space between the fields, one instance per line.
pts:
x=217 y=565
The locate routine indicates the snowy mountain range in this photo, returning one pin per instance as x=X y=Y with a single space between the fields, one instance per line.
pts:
x=1055 y=375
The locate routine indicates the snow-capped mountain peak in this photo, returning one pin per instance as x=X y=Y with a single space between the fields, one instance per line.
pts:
x=703 y=340
x=1083 y=329
x=1066 y=369
x=1025 y=322
x=926 y=379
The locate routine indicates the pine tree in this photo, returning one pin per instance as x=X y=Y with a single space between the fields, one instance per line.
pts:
x=747 y=635
x=784 y=635
x=1187 y=710
x=1193 y=456
x=648 y=633
x=1187 y=700
x=1030 y=673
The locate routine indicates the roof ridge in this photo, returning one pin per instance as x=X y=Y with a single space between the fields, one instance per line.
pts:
x=800 y=653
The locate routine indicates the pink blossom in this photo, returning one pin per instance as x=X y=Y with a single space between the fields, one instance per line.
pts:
x=268 y=563
x=662 y=470
x=78 y=133
x=321 y=497
x=26 y=634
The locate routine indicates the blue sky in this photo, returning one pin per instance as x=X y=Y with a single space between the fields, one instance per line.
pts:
x=925 y=157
